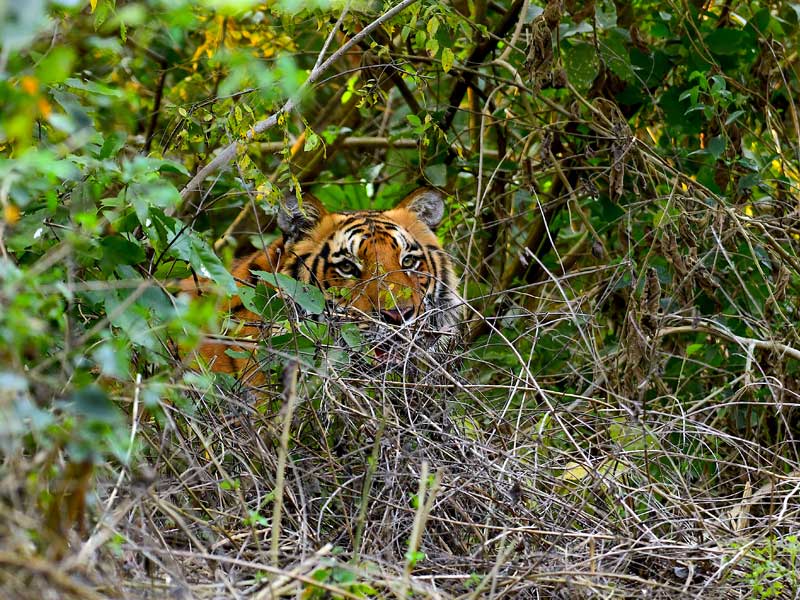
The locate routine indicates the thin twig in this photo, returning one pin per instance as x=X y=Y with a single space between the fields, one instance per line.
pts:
x=290 y=400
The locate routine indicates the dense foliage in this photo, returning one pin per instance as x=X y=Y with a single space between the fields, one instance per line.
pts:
x=621 y=414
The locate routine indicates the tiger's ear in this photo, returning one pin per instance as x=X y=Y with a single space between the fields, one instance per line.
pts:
x=295 y=220
x=427 y=204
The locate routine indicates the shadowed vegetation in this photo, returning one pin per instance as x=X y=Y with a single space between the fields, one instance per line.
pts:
x=617 y=415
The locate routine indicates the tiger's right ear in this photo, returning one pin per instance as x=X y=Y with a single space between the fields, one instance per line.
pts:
x=427 y=203
x=295 y=220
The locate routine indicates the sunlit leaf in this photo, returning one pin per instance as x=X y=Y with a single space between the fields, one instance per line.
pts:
x=307 y=296
x=447 y=59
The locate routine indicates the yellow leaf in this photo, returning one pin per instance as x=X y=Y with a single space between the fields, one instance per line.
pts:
x=29 y=84
x=93 y=4
x=10 y=214
x=447 y=59
x=574 y=472
x=44 y=107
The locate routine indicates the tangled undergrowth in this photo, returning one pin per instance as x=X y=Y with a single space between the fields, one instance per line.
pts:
x=618 y=416
x=550 y=456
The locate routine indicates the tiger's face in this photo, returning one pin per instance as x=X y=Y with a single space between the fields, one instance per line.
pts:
x=384 y=270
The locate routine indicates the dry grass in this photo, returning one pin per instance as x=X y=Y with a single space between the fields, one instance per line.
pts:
x=479 y=473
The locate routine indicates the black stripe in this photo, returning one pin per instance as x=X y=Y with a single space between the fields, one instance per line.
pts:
x=252 y=279
x=295 y=271
x=353 y=221
x=314 y=266
x=436 y=269
x=356 y=230
x=322 y=256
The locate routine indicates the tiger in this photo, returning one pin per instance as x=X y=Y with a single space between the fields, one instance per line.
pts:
x=384 y=270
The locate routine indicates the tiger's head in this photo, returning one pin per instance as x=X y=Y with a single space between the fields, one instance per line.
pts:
x=384 y=270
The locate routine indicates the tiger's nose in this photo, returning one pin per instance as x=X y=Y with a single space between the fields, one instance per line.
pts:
x=397 y=316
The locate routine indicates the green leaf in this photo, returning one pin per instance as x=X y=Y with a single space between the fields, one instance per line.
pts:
x=170 y=166
x=312 y=141
x=615 y=53
x=748 y=181
x=262 y=301
x=734 y=116
x=437 y=174
x=152 y=194
x=112 y=145
x=761 y=22
x=351 y=335
x=56 y=66
x=651 y=67
x=533 y=12
x=94 y=87
x=94 y=404
x=726 y=41
x=432 y=26
x=363 y=589
x=113 y=359
x=581 y=64
x=413 y=557
x=181 y=242
x=256 y=518
x=343 y=576
x=119 y=251
x=205 y=262
x=19 y=415
x=690 y=94
x=676 y=111
x=605 y=14
x=20 y=22
x=566 y=30
x=349 y=197
x=129 y=319
x=307 y=296
x=716 y=146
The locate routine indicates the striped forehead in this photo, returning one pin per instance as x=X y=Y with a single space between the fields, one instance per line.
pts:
x=354 y=231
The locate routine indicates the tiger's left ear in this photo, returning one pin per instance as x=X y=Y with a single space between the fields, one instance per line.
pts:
x=296 y=221
x=427 y=203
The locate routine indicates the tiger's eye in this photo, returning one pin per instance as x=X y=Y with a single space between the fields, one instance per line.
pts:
x=347 y=268
x=410 y=261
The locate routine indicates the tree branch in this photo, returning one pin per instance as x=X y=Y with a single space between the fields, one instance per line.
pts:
x=707 y=327
x=228 y=153
x=369 y=142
